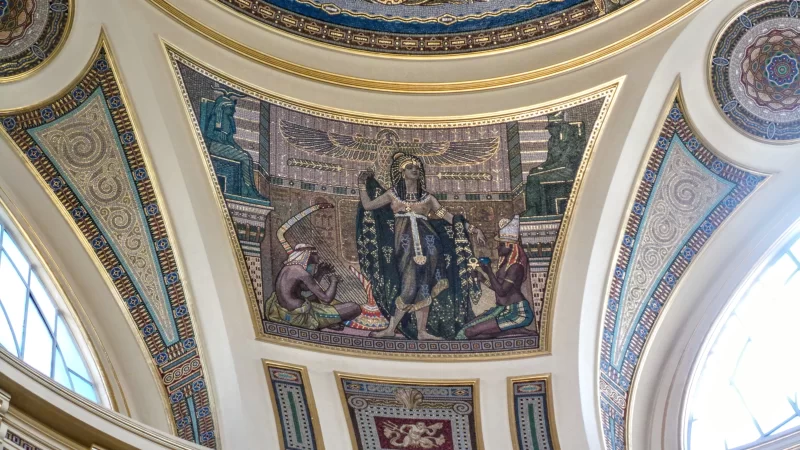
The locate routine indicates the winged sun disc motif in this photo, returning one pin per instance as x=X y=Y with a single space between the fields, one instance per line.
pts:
x=379 y=150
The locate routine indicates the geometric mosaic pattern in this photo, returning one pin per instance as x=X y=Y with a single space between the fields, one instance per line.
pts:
x=86 y=153
x=755 y=71
x=294 y=408
x=423 y=27
x=532 y=424
x=390 y=414
x=684 y=195
x=31 y=32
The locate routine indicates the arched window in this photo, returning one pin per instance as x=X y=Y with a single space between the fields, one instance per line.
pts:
x=32 y=326
x=746 y=391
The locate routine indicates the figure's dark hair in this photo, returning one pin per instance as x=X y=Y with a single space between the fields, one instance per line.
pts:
x=400 y=190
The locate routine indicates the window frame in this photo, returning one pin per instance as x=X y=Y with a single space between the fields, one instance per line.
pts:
x=64 y=313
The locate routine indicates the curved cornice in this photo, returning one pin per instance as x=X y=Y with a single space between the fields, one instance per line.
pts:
x=323 y=76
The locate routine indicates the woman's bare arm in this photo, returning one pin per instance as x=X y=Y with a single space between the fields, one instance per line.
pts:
x=369 y=204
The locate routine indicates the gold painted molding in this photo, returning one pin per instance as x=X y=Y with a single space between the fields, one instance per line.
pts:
x=310 y=73
x=56 y=51
x=433 y=57
x=512 y=415
x=609 y=90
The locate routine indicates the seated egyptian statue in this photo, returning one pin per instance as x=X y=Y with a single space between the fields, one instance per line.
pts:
x=549 y=186
x=232 y=164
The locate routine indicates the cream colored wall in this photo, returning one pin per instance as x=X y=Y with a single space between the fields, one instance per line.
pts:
x=233 y=356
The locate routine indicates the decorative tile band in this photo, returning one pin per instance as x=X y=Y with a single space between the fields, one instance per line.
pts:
x=32 y=33
x=251 y=142
x=685 y=194
x=388 y=413
x=294 y=407
x=427 y=27
x=530 y=400
x=85 y=150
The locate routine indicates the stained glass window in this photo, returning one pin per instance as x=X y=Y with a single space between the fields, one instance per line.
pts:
x=748 y=387
x=32 y=326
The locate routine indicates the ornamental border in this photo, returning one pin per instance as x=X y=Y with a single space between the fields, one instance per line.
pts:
x=168 y=364
x=616 y=387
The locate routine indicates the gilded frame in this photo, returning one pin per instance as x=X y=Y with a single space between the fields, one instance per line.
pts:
x=52 y=55
x=312 y=405
x=551 y=417
x=675 y=93
x=323 y=76
x=472 y=382
x=734 y=16
x=609 y=90
x=104 y=43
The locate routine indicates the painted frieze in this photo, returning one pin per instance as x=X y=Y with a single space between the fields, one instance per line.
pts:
x=530 y=400
x=755 y=71
x=394 y=414
x=85 y=150
x=294 y=407
x=684 y=195
x=397 y=239
x=423 y=27
x=31 y=32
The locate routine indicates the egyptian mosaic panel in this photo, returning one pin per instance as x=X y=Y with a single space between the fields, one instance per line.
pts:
x=406 y=278
x=31 y=31
x=684 y=195
x=86 y=152
x=294 y=408
x=390 y=414
x=531 y=402
x=755 y=71
x=424 y=27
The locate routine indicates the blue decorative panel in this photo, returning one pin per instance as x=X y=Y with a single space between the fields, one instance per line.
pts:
x=531 y=402
x=294 y=408
x=685 y=194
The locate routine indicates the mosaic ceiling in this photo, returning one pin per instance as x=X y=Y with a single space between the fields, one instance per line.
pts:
x=684 y=195
x=424 y=27
x=396 y=263
x=31 y=32
x=84 y=149
x=755 y=71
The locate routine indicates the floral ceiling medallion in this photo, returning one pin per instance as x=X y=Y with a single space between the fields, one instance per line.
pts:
x=31 y=32
x=754 y=71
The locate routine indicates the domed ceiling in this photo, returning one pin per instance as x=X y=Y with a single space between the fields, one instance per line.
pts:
x=424 y=27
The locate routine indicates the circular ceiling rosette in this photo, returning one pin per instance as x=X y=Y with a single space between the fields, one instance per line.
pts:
x=755 y=71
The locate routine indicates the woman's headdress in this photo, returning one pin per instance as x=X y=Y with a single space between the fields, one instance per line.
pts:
x=399 y=162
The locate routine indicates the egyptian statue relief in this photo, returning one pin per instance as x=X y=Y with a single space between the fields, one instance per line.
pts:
x=375 y=238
